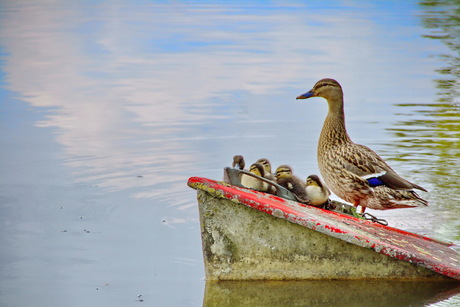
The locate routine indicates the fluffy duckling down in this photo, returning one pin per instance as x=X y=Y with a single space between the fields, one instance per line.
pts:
x=285 y=178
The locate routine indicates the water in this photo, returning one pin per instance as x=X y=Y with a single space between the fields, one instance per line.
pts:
x=107 y=108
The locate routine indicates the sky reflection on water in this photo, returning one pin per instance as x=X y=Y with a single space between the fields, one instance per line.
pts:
x=110 y=75
x=114 y=105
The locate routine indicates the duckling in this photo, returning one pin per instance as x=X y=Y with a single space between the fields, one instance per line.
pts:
x=267 y=168
x=285 y=178
x=255 y=183
x=354 y=172
x=268 y=173
x=317 y=192
x=238 y=162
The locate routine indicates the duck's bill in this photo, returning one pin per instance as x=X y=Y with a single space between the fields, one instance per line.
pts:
x=306 y=95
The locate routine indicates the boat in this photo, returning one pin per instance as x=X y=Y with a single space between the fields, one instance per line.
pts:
x=251 y=235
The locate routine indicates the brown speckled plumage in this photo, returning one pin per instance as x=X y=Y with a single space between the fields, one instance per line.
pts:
x=346 y=166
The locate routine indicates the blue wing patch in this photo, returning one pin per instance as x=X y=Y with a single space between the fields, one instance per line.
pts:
x=375 y=181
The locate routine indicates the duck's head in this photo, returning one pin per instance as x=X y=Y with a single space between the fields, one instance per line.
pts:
x=327 y=88
x=283 y=171
x=257 y=169
x=238 y=162
x=314 y=180
x=266 y=165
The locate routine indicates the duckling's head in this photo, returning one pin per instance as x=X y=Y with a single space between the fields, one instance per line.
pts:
x=257 y=169
x=266 y=165
x=238 y=162
x=327 y=88
x=314 y=180
x=283 y=171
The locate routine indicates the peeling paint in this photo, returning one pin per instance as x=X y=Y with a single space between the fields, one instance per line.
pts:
x=231 y=244
x=278 y=213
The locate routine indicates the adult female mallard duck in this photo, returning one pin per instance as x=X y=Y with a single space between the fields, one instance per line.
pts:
x=354 y=172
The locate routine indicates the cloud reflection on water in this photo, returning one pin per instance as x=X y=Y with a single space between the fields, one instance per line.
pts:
x=128 y=91
x=141 y=95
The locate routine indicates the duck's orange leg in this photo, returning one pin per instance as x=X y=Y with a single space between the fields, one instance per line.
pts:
x=356 y=204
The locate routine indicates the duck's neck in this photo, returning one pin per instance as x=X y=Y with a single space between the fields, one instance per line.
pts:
x=334 y=132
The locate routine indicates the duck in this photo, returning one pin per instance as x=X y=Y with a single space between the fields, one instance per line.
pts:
x=268 y=173
x=252 y=182
x=354 y=172
x=267 y=168
x=238 y=162
x=317 y=192
x=285 y=178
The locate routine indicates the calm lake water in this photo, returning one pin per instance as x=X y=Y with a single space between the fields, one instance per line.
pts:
x=108 y=107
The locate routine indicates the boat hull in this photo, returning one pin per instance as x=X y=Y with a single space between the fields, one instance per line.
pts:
x=241 y=243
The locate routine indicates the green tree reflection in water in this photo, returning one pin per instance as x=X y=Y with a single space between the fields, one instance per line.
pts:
x=429 y=134
x=442 y=17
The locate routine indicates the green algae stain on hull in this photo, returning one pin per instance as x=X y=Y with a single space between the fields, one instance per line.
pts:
x=240 y=243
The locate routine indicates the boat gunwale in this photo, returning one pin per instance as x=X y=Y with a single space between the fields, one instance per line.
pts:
x=390 y=241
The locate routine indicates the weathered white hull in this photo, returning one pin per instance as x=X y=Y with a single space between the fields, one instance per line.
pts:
x=249 y=235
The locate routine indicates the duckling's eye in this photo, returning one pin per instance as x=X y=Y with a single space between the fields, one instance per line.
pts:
x=264 y=162
x=282 y=171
